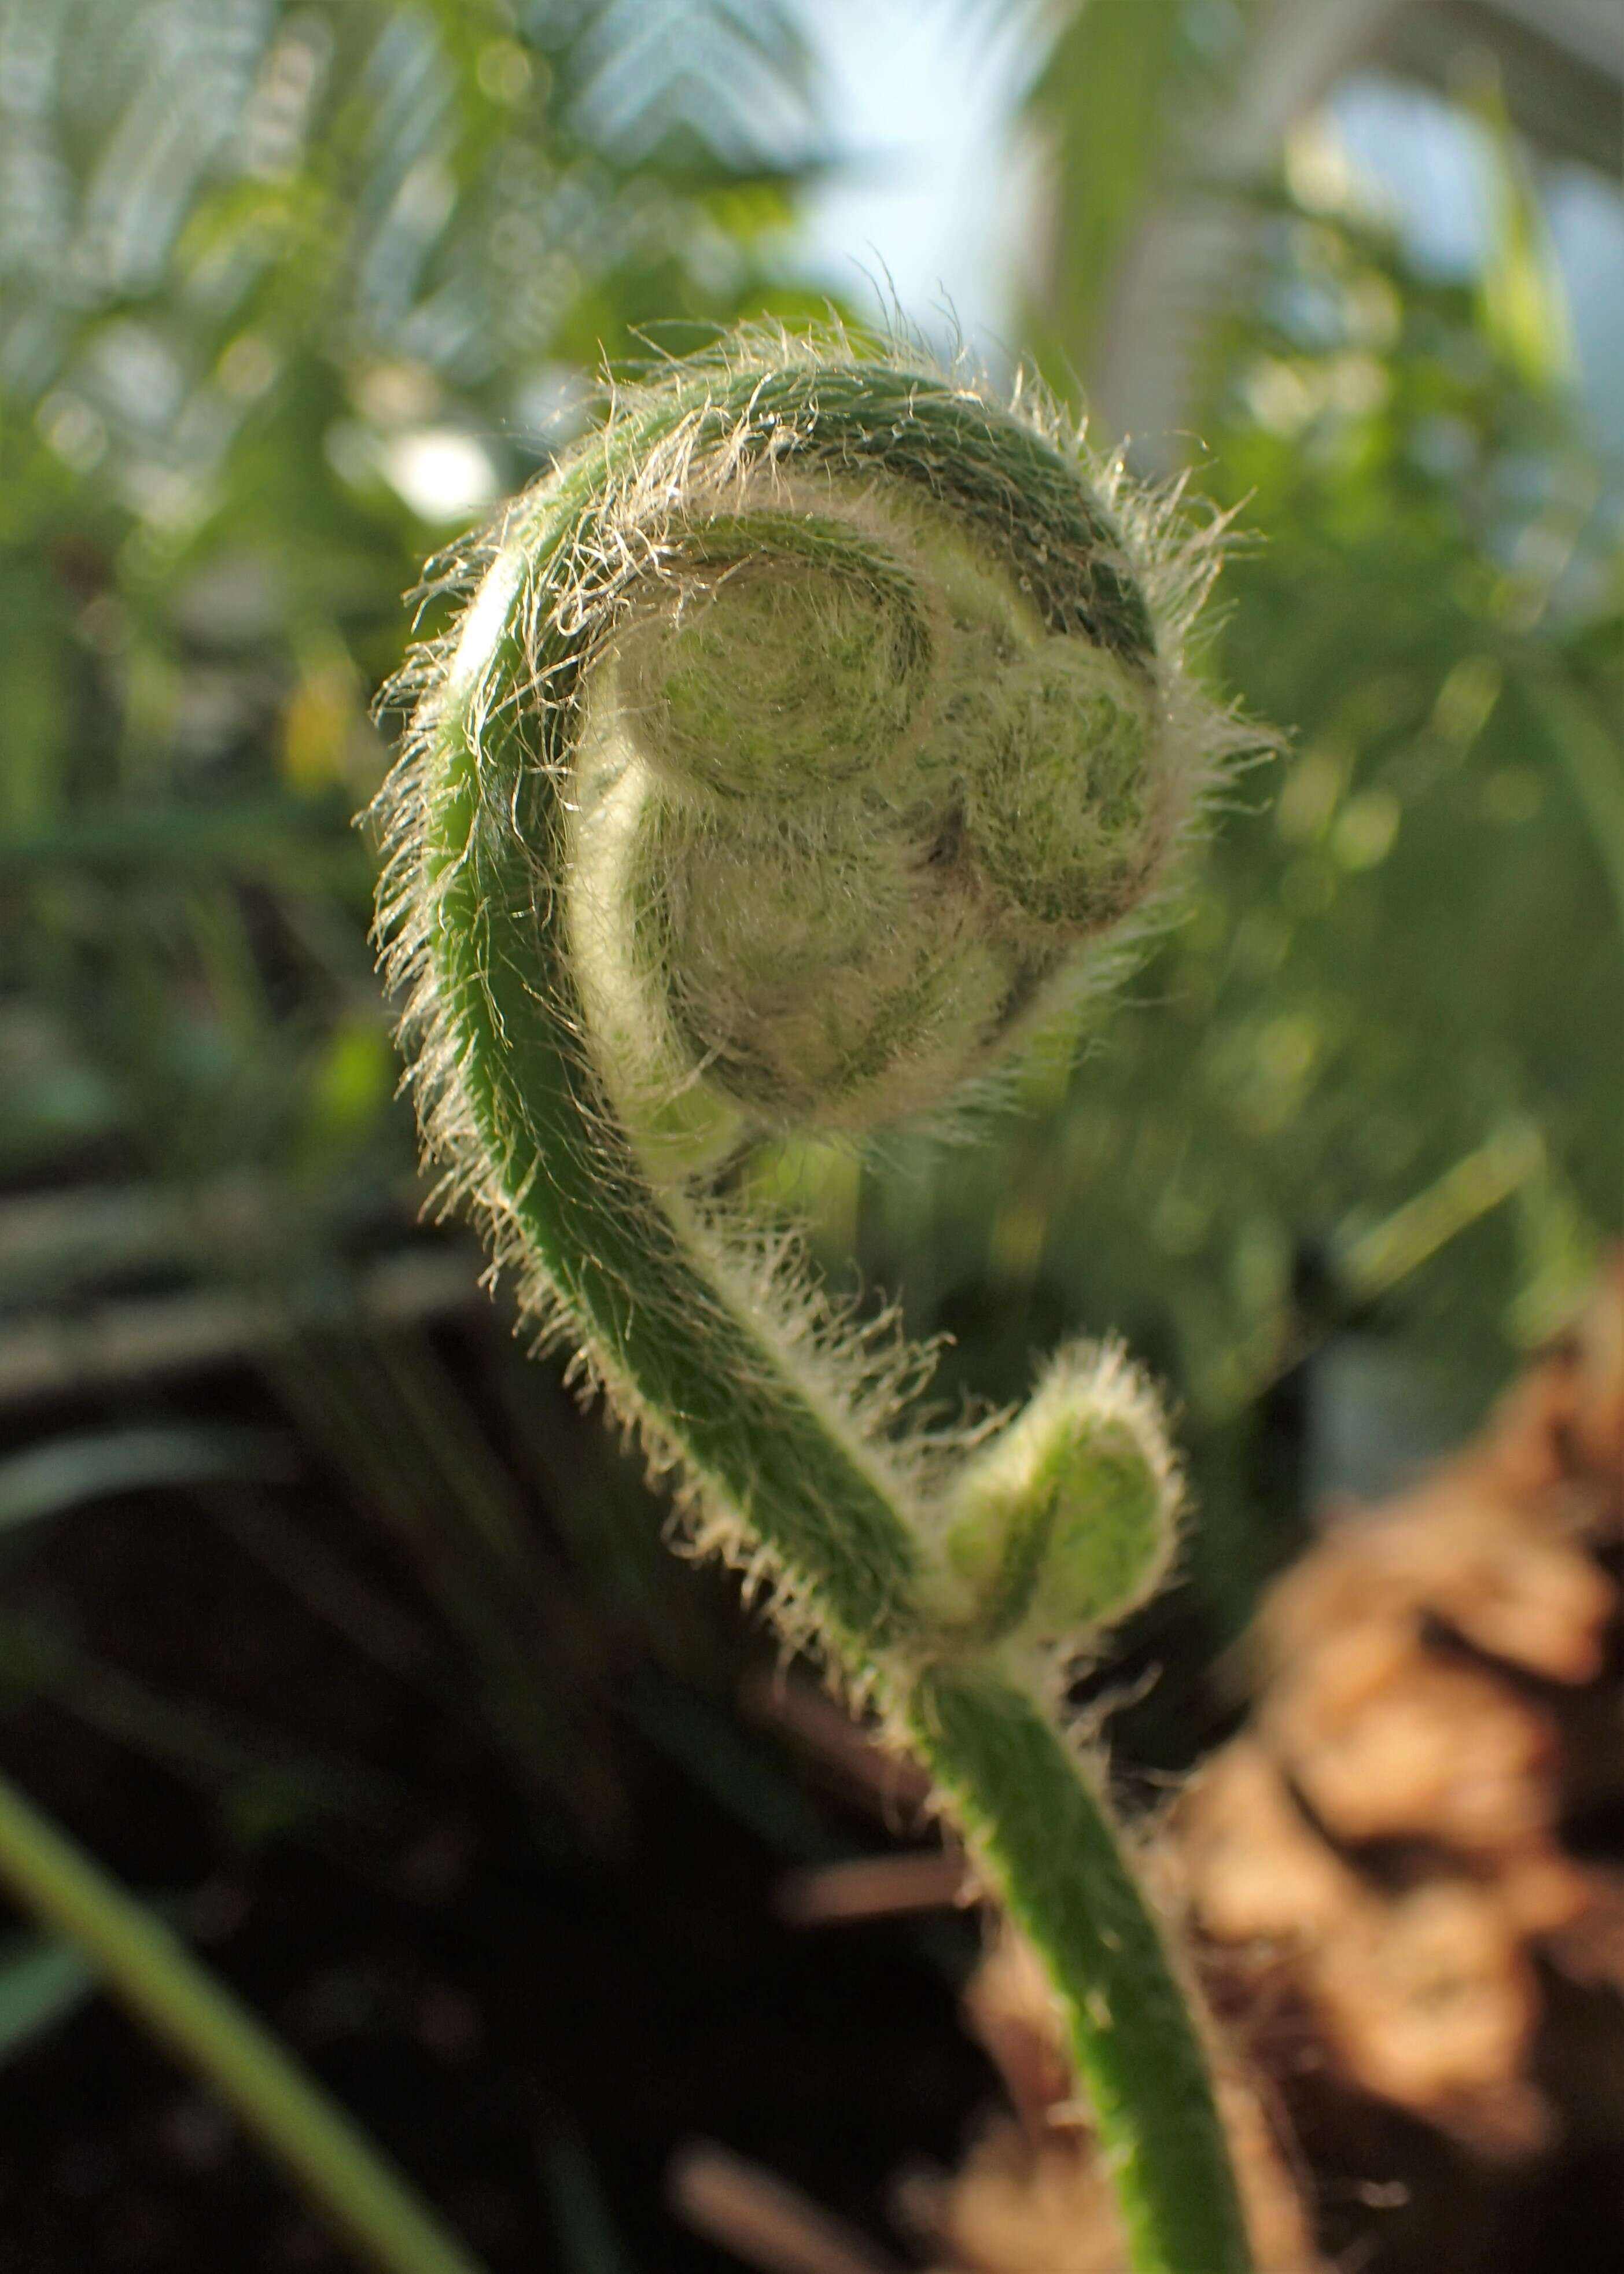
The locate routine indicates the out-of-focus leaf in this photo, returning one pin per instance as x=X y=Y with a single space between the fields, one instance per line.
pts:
x=41 y=1983
x=1593 y=761
x=1107 y=94
x=265 y=1784
x=287 y=836
x=53 y=1477
x=1525 y=305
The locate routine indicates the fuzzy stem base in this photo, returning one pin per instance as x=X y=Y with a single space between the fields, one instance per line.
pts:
x=140 y=1962
x=1054 y=1856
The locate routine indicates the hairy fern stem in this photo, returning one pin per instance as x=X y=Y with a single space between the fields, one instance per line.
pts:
x=808 y=736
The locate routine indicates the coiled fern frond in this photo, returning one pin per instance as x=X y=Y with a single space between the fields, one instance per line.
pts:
x=809 y=732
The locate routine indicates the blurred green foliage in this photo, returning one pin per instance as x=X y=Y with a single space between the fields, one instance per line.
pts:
x=288 y=292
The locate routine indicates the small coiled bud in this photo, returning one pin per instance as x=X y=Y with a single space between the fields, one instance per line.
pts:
x=1068 y=1518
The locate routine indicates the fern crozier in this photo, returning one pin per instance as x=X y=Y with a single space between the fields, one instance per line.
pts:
x=809 y=732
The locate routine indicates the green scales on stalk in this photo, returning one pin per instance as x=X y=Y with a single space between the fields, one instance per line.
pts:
x=810 y=732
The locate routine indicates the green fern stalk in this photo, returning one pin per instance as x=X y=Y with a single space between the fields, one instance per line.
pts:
x=808 y=736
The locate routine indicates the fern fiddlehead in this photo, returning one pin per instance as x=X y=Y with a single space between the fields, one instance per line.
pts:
x=806 y=733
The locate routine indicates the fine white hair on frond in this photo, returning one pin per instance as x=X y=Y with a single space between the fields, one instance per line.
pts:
x=731 y=940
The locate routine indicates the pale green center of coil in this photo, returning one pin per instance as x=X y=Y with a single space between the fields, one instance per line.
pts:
x=844 y=809
x=785 y=656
